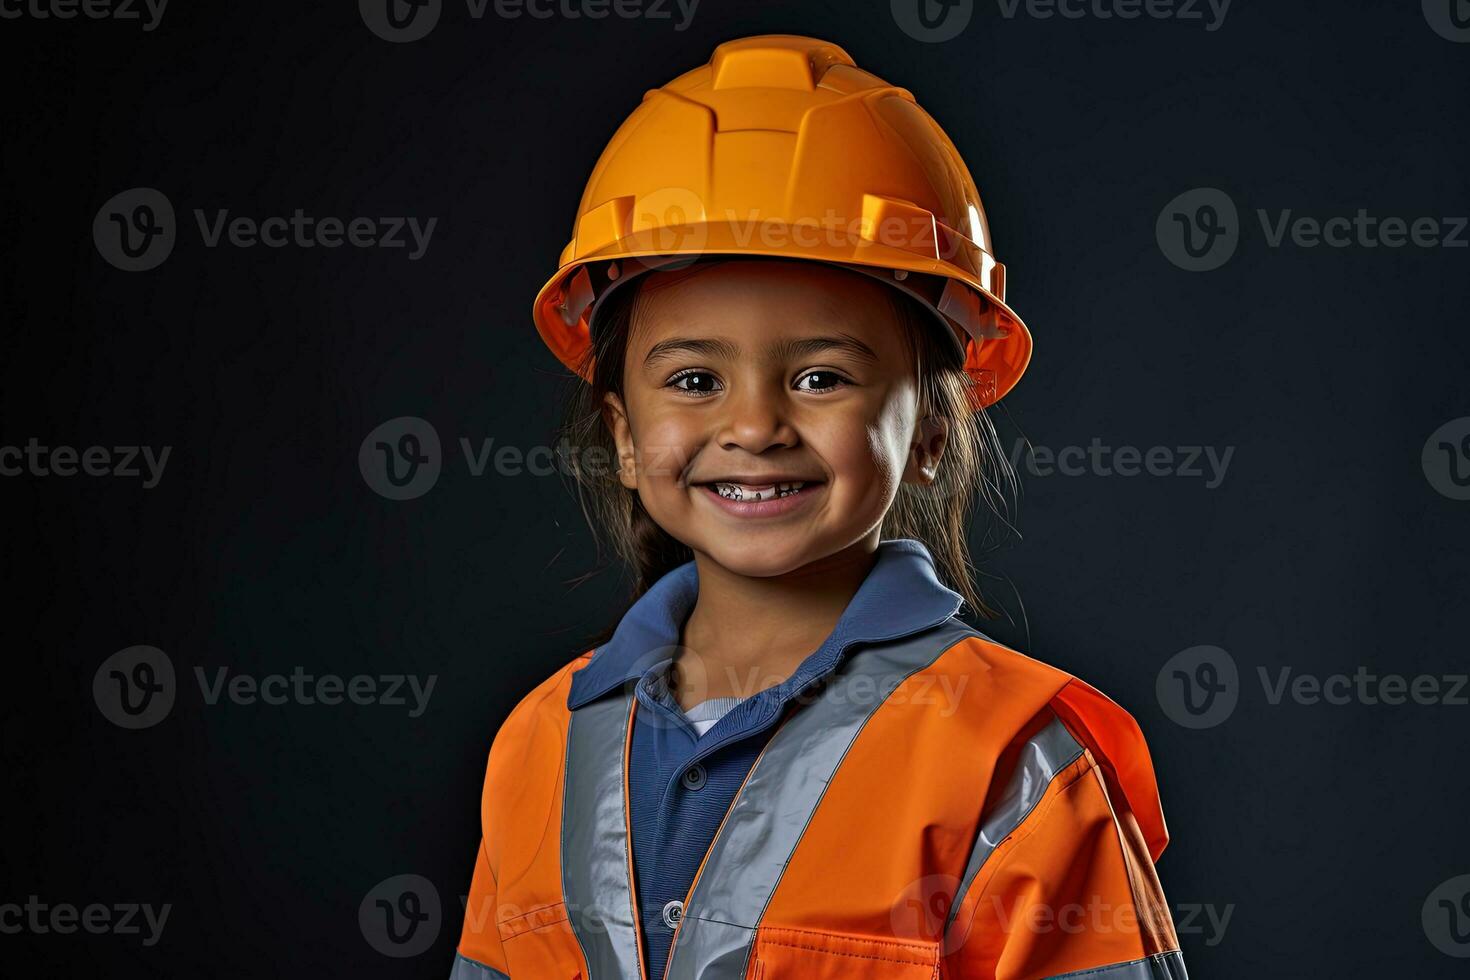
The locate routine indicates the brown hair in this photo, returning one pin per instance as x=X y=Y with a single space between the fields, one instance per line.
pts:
x=973 y=465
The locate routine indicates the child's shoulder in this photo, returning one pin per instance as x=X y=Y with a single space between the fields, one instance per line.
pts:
x=1029 y=691
x=531 y=740
x=1000 y=674
x=547 y=699
x=1030 y=687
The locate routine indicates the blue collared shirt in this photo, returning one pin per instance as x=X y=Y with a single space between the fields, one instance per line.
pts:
x=681 y=783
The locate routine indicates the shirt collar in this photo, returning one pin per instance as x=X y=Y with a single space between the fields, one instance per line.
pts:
x=901 y=595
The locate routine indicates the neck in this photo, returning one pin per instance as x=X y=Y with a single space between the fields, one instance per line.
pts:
x=748 y=633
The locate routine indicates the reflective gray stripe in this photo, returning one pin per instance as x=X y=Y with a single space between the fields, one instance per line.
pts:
x=773 y=809
x=1164 y=966
x=1047 y=753
x=594 y=840
x=467 y=969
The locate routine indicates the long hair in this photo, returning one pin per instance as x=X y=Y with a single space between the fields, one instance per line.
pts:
x=973 y=470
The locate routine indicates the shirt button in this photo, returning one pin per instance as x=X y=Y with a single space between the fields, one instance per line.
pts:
x=695 y=777
x=673 y=912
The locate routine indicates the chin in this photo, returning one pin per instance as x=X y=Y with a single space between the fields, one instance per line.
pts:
x=761 y=555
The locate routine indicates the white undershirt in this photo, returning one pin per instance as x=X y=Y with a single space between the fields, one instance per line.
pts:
x=704 y=714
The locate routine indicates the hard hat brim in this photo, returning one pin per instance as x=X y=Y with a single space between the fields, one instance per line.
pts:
x=996 y=342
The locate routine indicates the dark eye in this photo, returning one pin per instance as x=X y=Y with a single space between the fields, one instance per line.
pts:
x=821 y=381
x=699 y=382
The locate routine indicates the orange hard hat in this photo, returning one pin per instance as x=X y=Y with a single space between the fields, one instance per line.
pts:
x=781 y=147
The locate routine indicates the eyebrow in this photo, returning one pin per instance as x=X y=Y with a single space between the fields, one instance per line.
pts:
x=796 y=347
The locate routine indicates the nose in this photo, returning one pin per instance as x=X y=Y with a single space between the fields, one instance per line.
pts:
x=755 y=417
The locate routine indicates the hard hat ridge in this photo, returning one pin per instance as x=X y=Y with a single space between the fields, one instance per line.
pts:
x=782 y=147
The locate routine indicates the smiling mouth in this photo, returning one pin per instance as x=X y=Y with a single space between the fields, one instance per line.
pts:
x=753 y=492
x=757 y=491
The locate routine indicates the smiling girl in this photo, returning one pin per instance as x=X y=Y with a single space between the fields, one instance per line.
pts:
x=792 y=757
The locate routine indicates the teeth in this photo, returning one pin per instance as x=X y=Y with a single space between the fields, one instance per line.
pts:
x=741 y=491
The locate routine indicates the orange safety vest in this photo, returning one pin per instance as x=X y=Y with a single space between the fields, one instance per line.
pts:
x=947 y=808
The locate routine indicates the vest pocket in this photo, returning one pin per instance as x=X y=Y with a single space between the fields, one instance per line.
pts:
x=540 y=943
x=806 y=954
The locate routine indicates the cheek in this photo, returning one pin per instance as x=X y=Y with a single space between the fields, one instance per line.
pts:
x=888 y=447
x=887 y=467
x=867 y=457
x=665 y=443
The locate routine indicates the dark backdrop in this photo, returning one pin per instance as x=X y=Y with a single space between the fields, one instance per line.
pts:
x=1309 y=837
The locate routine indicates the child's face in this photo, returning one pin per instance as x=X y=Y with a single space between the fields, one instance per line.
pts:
x=764 y=371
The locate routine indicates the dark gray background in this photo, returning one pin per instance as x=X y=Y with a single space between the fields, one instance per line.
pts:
x=1319 y=829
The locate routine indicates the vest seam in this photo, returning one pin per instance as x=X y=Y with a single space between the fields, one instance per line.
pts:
x=539 y=908
x=839 y=952
x=519 y=709
x=966 y=632
x=564 y=917
x=918 y=948
x=566 y=768
x=1061 y=770
x=1146 y=937
x=699 y=871
x=633 y=897
x=1073 y=774
x=1091 y=970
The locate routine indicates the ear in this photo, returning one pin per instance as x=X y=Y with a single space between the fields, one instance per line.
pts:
x=615 y=416
x=927 y=448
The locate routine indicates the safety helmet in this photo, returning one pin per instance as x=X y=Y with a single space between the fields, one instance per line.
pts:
x=782 y=147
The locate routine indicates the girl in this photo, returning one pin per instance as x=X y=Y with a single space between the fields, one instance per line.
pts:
x=792 y=758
